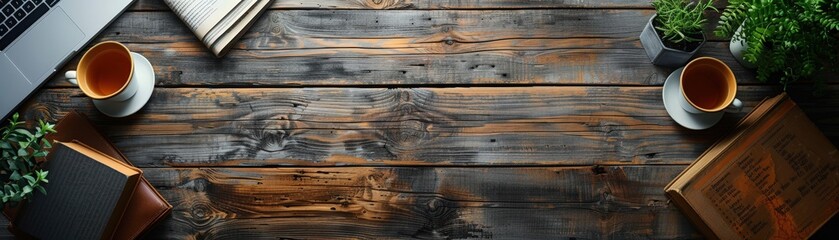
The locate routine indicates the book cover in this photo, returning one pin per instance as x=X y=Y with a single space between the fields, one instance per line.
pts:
x=145 y=208
x=775 y=177
x=86 y=196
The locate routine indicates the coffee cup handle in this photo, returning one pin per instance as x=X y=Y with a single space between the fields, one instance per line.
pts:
x=736 y=106
x=71 y=77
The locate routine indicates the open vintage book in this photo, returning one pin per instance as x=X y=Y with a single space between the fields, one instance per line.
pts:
x=776 y=176
x=218 y=23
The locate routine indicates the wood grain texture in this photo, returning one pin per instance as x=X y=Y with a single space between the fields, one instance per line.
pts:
x=276 y=29
x=437 y=203
x=4 y=232
x=158 y=5
x=426 y=126
x=409 y=48
x=190 y=65
x=281 y=29
x=548 y=125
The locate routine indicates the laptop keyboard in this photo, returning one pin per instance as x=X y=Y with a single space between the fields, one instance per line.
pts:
x=18 y=15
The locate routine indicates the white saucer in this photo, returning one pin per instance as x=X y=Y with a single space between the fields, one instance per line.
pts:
x=145 y=76
x=686 y=119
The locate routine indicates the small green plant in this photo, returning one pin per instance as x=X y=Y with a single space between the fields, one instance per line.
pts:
x=18 y=166
x=681 y=21
x=787 y=40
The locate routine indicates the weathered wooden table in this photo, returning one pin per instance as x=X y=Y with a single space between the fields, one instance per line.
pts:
x=431 y=119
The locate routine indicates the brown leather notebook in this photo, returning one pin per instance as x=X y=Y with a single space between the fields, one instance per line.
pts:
x=147 y=206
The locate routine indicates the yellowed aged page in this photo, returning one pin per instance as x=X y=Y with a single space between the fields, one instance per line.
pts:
x=782 y=182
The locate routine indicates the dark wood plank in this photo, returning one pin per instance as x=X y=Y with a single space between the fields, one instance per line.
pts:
x=315 y=48
x=182 y=64
x=425 y=126
x=158 y=5
x=451 y=203
x=4 y=232
x=191 y=65
x=284 y=29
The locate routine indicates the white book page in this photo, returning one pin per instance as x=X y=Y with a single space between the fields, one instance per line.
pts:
x=223 y=43
x=232 y=17
x=202 y=15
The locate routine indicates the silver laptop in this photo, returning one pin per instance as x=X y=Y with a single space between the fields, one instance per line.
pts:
x=38 y=36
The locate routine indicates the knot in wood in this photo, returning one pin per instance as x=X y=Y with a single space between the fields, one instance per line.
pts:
x=403 y=96
x=175 y=76
x=410 y=132
x=199 y=184
x=39 y=111
x=406 y=109
x=201 y=213
x=432 y=204
x=407 y=121
x=449 y=42
x=598 y=170
x=275 y=26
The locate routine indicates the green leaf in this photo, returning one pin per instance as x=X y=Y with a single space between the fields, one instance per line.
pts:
x=22 y=152
x=20 y=147
x=42 y=175
x=23 y=144
x=12 y=165
x=24 y=132
x=30 y=179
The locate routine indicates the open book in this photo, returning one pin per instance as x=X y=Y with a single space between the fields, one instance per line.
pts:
x=775 y=176
x=218 y=23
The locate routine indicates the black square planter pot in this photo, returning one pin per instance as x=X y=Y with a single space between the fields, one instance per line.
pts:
x=662 y=55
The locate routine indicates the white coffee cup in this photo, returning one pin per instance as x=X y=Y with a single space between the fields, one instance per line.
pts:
x=106 y=72
x=707 y=85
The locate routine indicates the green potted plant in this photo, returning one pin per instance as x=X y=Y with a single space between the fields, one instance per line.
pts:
x=19 y=168
x=784 y=40
x=674 y=34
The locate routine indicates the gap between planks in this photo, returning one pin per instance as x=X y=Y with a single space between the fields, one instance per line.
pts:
x=455 y=85
x=569 y=166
